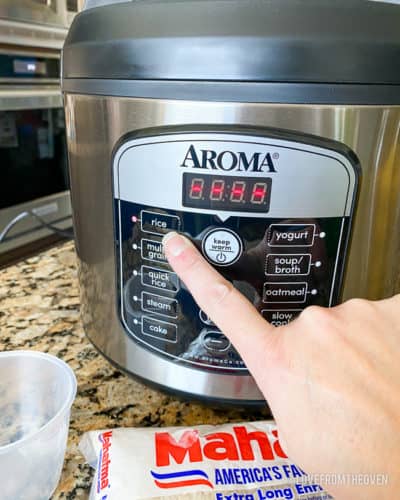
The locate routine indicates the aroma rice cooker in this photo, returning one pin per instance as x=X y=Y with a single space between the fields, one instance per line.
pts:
x=267 y=131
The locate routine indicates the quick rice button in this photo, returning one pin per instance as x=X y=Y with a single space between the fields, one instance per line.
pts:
x=222 y=247
x=159 y=278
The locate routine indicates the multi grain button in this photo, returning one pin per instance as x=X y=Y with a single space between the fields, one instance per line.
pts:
x=153 y=250
x=291 y=235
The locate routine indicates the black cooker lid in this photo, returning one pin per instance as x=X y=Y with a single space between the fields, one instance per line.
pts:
x=314 y=41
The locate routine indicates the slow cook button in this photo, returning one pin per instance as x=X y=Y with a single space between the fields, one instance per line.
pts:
x=159 y=305
x=153 y=250
x=158 y=278
x=281 y=293
x=291 y=235
x=215 y=341
x=280 y=318
x=155 y=223
x=159 y=329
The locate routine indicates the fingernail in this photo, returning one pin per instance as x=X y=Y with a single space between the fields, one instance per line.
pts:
x=176 y=243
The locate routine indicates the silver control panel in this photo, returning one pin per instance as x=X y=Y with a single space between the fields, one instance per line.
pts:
x=271 y=210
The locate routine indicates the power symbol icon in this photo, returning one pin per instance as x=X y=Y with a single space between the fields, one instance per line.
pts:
x=221 y=257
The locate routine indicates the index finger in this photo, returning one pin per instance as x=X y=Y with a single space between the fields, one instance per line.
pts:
x=227 y=307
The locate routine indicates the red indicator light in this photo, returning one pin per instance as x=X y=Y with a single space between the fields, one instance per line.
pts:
x=134 y=218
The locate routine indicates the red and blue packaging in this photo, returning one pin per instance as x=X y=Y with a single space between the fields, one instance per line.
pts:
x=242 y=461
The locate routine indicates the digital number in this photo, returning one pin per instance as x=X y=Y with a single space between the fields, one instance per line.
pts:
x=217 y=190
x=259 y=193
x=224 y=192
x=237 y=192
x=196 y=189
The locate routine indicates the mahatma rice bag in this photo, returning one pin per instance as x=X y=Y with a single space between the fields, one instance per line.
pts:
x=241 y=461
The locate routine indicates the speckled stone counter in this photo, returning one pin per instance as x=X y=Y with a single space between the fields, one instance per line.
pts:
x=39 y=310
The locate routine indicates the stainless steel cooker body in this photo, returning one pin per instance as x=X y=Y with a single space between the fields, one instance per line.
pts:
x=96 y=125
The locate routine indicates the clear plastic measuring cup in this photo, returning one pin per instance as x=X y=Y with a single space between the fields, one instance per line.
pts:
x=36 y=394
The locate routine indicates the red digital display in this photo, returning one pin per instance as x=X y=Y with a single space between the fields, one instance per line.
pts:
x=227 y=193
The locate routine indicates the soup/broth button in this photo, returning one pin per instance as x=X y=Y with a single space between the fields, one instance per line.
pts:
x=288 y=264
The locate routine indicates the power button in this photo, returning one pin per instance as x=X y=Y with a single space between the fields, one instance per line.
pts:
x=222 y=247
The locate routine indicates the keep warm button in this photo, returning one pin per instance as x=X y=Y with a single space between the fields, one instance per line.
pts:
x=222 y=247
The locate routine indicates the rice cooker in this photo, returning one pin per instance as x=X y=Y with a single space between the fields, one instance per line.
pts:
x=267 y=131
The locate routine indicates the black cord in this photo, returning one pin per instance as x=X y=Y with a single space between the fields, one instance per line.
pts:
x=61 y=232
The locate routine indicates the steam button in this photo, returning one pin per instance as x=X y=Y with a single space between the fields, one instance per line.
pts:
x=222 y=247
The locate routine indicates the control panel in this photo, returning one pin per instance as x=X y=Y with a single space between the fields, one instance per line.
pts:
x=272 y=211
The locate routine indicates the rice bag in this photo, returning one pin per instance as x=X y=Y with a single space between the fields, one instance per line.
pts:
x=242 y=461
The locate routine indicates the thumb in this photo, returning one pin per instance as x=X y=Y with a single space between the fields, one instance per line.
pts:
x=254 y=338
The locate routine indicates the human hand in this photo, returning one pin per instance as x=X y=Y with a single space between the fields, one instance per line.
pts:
x=331 y=377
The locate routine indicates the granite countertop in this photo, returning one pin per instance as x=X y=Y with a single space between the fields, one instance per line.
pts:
x=39 y=300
